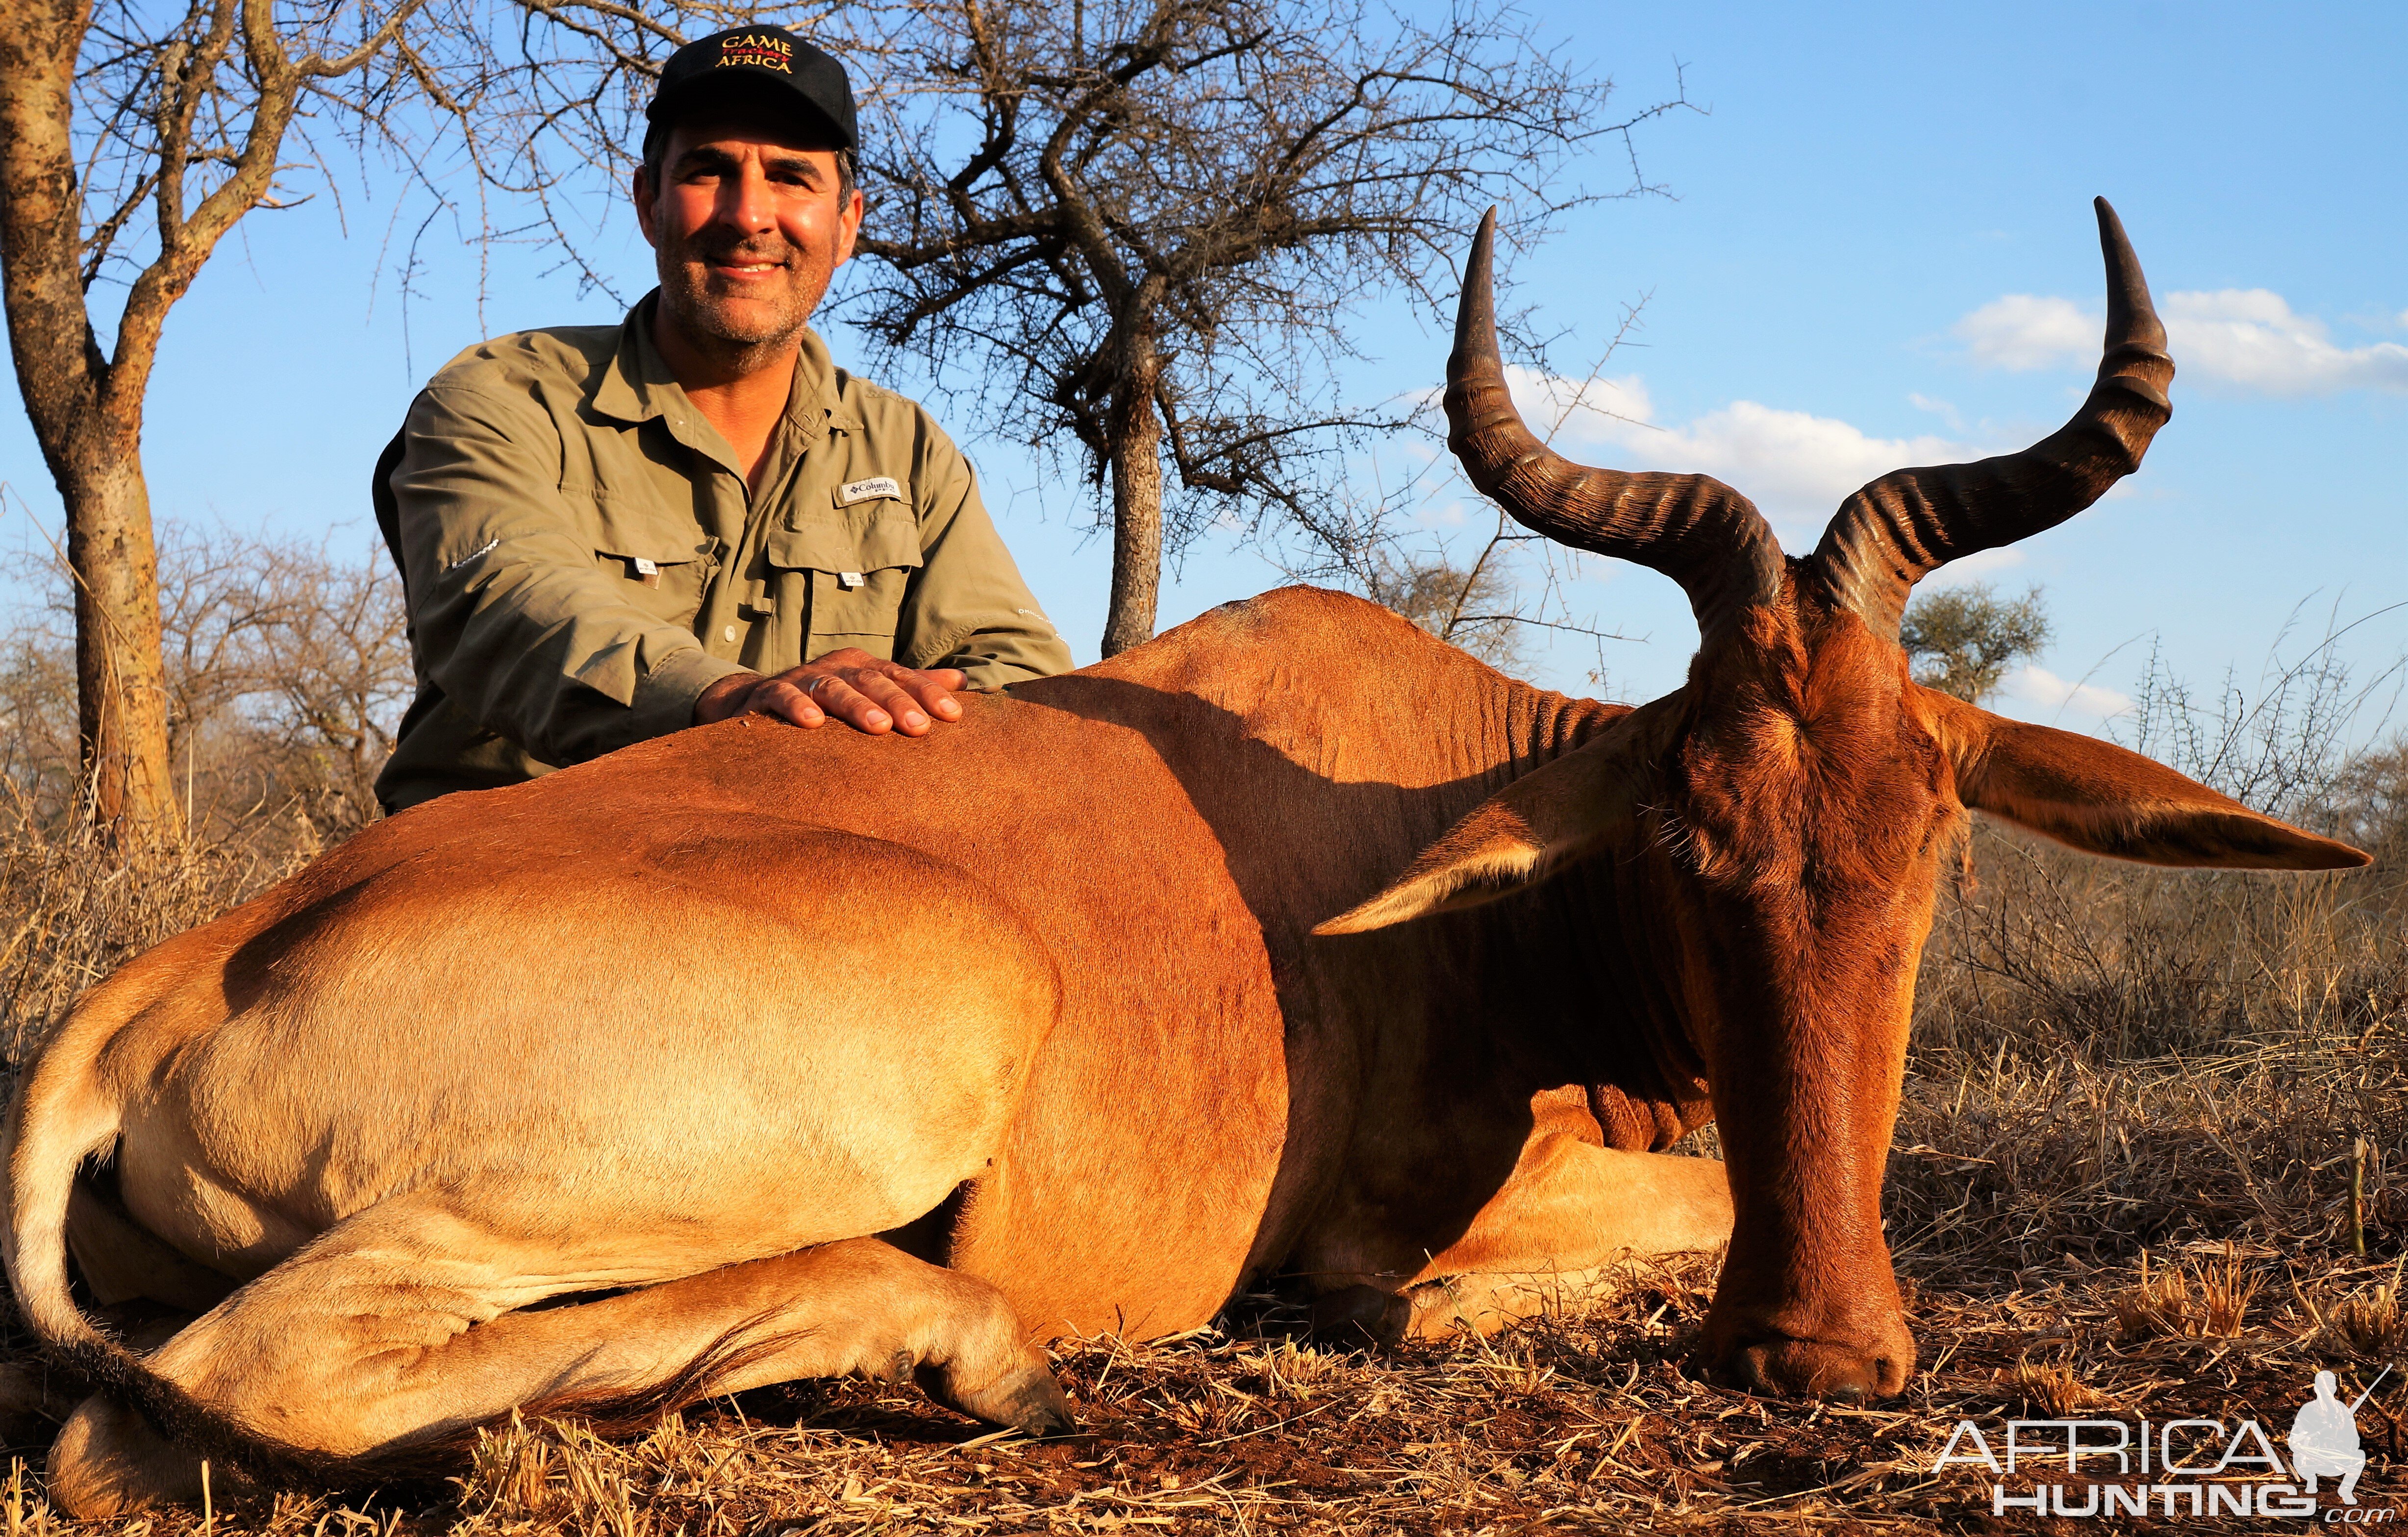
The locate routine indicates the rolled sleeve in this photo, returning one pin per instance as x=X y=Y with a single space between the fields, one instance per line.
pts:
x=514 y=621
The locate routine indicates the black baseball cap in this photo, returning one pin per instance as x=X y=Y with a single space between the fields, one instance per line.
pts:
x=757 y=58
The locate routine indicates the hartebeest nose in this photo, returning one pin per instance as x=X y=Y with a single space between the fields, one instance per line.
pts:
x=1782 y=1366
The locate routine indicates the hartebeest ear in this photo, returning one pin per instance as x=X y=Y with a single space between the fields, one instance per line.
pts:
x=2100 y=798
x=1582 y=800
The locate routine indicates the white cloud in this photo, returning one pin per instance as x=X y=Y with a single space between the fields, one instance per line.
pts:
x=2041 y=690
x=2251 y=337
x=1798 y=467
x=2022 y=332
x=1940 y=408
x=2248 y=337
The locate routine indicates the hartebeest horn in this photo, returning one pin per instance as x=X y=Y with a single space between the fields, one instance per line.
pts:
x=1905 y=525
x=1692 y=528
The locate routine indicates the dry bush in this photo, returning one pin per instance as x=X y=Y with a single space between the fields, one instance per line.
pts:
x=2050 y=1391
x=287 y=670
x=2361 y=1324
x=2180 y=1304
x=72 y=909
x=2110 y=1057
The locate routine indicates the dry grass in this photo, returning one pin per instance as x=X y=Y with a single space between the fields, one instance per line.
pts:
x=1575 y=1424
x=2122 y=1187
x=2181 y=1303
x=2365 y=1326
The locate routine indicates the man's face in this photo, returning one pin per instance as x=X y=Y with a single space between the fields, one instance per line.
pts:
x=747 y=227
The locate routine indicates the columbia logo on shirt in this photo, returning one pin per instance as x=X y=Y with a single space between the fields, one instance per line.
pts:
x=876 y=487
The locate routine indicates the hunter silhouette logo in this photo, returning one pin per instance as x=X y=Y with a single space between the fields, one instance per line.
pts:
x=2183 y=1467
x=2324 y=1437
x=759 y=52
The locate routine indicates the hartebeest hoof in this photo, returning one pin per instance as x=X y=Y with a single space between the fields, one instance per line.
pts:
x=1023 y=1398
x=1026 y=1400
x=109 y=1461
x=1036 y=1406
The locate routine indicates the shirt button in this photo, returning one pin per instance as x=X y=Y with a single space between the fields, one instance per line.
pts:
x=728 y=634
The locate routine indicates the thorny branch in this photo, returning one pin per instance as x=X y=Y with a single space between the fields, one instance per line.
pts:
x=1219 y=184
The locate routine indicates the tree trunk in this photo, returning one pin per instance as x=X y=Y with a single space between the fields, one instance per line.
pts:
x=121 y=688
x=1137 y=503
x=87 y=416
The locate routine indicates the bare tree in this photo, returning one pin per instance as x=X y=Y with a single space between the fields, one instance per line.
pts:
x=1144 y=221
x=135 y=136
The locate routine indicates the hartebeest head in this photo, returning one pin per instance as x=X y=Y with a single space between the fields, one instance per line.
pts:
x=1794 y=801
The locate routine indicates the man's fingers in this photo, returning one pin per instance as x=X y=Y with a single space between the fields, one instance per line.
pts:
x=870 y=696
x=930 y=691
x=891 y=696
x=786 y=701
x=935 y=688
x=843 y=701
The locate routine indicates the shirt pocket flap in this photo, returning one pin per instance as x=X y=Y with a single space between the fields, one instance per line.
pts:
x=639 y=529
x=875 y=545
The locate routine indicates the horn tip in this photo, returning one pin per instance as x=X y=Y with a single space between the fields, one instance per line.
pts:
x=1475 y=315
x=2111 y=227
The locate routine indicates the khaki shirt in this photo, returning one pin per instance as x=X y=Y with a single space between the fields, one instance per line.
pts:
x=582 y=557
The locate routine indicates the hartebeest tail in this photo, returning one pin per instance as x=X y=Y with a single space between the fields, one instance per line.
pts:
x=65 y=1116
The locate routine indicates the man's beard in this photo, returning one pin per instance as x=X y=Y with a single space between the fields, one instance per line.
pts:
x=747 y=333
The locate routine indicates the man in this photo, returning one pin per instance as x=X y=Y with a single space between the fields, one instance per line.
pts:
x=607 y=533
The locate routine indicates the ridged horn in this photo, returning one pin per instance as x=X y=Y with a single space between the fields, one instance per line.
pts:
x=1692 y=528
x=1908 y=523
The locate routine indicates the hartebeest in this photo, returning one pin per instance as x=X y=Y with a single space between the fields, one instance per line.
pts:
x=768 y=1053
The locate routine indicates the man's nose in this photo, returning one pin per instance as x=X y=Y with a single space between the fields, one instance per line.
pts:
x=745 y=202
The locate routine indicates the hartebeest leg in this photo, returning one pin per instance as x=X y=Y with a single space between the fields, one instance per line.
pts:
x=344 y=1351
x=1569 y=1212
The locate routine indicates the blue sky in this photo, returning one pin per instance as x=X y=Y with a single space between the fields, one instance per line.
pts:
x=1878 y=250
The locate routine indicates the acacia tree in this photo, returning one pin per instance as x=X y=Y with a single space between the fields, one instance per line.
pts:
x=1963 y=639
x=1144 y=221
x=134 y=135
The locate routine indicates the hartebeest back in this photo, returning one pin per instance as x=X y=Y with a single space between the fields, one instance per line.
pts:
x=806 y=1052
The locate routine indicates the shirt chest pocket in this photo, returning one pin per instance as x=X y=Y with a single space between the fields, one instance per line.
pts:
x=661 y=558
x=857 y=571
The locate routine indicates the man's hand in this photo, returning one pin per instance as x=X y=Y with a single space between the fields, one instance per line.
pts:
x=851 y=686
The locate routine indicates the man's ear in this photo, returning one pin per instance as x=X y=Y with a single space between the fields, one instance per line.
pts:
x=644 y=194
x=848 y=227
x=2097 y=797
x=1585 y=800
